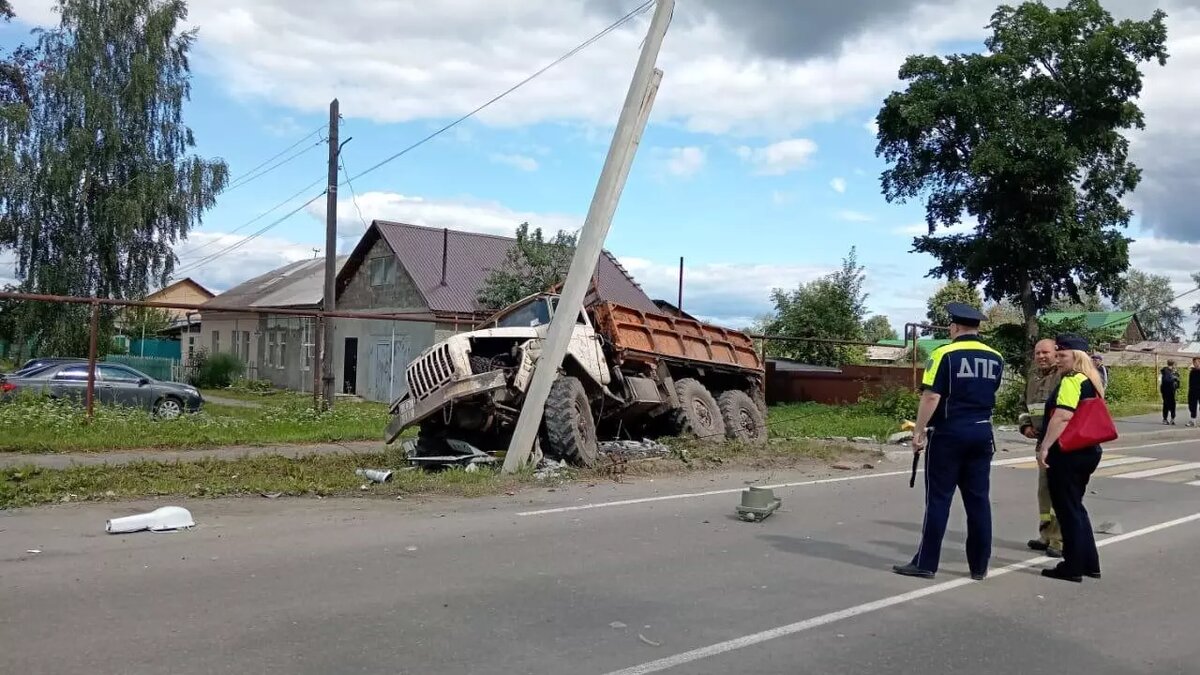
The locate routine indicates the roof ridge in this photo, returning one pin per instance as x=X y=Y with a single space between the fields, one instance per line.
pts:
x=396 y=223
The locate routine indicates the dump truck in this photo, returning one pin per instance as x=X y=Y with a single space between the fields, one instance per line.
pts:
x=628 y=373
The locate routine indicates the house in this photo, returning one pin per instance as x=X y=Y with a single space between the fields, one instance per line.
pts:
x=894 y=351
x=665 y=307
x=1124 y=324
x=276 y=348
x=435 y=275
x=183 y=292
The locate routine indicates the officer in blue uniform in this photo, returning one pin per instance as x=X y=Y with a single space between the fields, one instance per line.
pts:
x=958 y=394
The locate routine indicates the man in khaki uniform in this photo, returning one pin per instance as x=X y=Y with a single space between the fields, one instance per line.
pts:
x=1043 y=377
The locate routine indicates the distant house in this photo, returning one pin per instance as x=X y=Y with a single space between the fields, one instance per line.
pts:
x=1124 y=324
x=432 y=274
x=275 y=347
x=184 y=292
x=894 y=351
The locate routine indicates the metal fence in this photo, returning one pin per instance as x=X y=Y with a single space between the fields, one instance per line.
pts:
x=157 y=368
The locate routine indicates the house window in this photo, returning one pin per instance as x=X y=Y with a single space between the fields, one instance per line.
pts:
x=216 y=342
x=309 y=347
x=272 y=349
x=282 y=349
x=245 y=350
x=383 y=271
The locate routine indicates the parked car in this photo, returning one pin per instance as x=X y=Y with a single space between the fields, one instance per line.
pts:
x=34 y=365
x=116 y=384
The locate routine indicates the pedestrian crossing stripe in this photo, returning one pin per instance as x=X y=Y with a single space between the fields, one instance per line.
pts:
x=1115 y=465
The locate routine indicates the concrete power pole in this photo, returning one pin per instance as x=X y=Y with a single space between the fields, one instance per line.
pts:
x=591 y=240
x=330 y=301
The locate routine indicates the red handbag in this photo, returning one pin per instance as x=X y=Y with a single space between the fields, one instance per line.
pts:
x=1090 y=426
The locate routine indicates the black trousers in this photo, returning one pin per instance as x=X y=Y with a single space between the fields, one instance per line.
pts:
x=1068 y=478
x=1193 y=402
x=1168 y=398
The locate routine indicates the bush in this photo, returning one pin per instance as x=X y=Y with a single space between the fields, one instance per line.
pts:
x=1139 y=383
x=218 y=371
x=1010 y=401
x=897 y=403
x=254 y=386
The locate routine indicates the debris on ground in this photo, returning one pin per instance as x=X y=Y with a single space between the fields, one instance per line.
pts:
x=449 y=452
x=162 y=519
x=648 y=641
x=617 y=625
x=900 y=438
x=1110 y=528
x=549 y=468
x=634 y=449
x=843 y=466
x=271 y=495
x=862 y=439
x=375 y=475
x=757 y=504
x=34 y=550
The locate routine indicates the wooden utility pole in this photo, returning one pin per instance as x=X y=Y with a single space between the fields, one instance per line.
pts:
x=330 y=301
x=591 y=239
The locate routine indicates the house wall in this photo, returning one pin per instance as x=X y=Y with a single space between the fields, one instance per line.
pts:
x=278 y=349
x=184 y=294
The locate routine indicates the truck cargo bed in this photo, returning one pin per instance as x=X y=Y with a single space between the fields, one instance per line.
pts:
x=647 y=336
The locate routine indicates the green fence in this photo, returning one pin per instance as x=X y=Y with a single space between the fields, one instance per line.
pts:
x=158 y=368
x=161 y=349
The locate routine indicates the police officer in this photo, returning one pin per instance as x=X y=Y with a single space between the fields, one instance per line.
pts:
x=1043 y=378
x=958 y=396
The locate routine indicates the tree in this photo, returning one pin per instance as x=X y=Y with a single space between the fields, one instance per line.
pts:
x=106 y=179
x=1150 y=295
x=952 y=291
x=532 y=265
x=1196 y=307
x=1026 y=139
x=1003 y=312
x=147 y=321
x=1087 y=302
x=830 y=307
x=878 y=328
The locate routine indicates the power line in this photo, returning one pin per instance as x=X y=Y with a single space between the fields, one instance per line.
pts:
x=192 y=253
x=204 y=262
x=268 y=160
x=580 y=47
x=251 y=177
x=353 y=194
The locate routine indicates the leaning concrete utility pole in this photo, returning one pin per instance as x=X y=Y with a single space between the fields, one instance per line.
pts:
x=591 y=241
x=329 y=301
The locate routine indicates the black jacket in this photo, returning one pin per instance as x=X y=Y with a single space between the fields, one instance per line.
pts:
x=1170 y=381
x=1194 y=383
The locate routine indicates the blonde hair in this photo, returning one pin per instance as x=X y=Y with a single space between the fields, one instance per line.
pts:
x=1081 y=362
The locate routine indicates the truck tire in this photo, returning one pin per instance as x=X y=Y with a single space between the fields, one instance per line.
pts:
x=570 y=429
x=760 y=400
x=698 y=415
x=744 y=421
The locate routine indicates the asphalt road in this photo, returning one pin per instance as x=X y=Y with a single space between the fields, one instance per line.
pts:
x=643 y=577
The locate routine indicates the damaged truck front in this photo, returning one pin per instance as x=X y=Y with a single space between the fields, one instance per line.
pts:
x=627 y=373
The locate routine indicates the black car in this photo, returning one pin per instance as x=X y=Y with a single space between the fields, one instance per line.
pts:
x=116 y=384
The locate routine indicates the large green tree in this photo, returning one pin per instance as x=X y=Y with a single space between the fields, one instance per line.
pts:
x=105 y=178
x=954 y=290
x=532 y=265
x=879 y=328
x=1196 y=307
x=1028 y=140
x=830 y=307
x=1150 y=295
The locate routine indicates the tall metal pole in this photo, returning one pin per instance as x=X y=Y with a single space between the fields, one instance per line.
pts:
x=591 y=241
x=93 y=337
x=330 y=300
x=679 y=305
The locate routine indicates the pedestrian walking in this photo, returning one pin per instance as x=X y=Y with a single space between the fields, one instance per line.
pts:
x=1098 y=361
x=958 y=396
x=1068 y=473
x=1043 y=378
x=1193 y=392
x=1168 y=385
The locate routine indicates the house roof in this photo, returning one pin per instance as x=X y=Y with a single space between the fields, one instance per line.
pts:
x=299 y=284
x=470 y=258
x=1095 y=320
x=186 y=281
x=926 y=345
x=1150 y=346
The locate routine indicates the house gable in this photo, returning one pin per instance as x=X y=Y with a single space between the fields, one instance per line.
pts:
x=373 y=279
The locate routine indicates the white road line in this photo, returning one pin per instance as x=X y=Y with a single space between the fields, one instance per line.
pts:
x=826 y=619
x=1122 y=461
x=1195 y=482
x=1162 y=470
x=822 y=481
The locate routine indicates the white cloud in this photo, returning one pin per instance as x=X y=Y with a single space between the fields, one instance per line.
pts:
x=284 y=127
x=851 y=216
x=872 y=127
x=1177 y=261
x=470 y=215
x=686 y=161
x=522 y=162
x=779 y=158
x=779 y=197
x=255 y=257
x=838 y=185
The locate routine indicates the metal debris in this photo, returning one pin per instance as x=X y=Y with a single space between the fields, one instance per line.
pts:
x=635 y=449
x=648 y=641
x=158 y=520
x=375 y=475
x=447 y=453
x=617 y=625
x=34 y=550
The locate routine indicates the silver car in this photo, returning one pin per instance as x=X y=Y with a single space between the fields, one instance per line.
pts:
x=116 y=385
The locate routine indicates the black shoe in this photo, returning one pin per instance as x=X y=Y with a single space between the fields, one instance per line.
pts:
x=1092 y=575
x=911 y=570
x=978 y=576
x=1052 y=552
x=1037 y=545
x=1057 y=573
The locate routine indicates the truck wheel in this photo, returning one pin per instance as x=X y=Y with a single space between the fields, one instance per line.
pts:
x=760 y=400
x=698 y=416
x=570 y=429
x=743 y=419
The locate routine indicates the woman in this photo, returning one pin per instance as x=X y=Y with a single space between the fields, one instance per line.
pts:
x=1067 y=473
x=1194 y=391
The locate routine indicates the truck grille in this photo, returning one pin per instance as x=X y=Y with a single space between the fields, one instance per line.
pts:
x=430 y=372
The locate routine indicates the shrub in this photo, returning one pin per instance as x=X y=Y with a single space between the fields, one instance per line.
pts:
x=254 y=386
x=1010 y=401
x=897 y=403
x=218 y=371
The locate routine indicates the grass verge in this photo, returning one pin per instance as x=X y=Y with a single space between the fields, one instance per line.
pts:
x=44 y=426
x=333 y=475
x=815 y=420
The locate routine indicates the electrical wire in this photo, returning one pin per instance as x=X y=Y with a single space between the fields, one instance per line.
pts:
x=578 y=48
x=251 y=177
x=353 y=194
x=204 y=262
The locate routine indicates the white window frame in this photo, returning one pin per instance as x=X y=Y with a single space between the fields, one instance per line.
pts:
x=308 y=345
x=272 y=349
x=383 y=266
x=282 y=349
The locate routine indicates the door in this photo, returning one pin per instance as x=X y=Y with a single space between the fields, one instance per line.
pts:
x=350 y=367
x=118 y=386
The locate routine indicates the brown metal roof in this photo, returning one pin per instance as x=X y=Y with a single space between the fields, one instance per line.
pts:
x=470 y=257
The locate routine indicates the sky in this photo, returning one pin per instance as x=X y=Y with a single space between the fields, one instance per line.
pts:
x=757 y=167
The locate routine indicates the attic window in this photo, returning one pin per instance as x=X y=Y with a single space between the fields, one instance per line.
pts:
x=383 y=271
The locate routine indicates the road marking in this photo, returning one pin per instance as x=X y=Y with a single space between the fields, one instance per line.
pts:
x=1160 y=471
x=1195 y=482
x=822 y=481
x=826 y=619
x=1122 y=461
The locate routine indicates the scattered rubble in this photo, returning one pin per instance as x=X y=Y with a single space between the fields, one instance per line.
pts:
x=617 y=625
x=843 y=466
x=549 y=468
x=634 y=449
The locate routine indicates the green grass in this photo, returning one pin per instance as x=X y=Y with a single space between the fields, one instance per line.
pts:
x=333 y=475
x=271 y=396
x=815 y=420
x=42 y=426
x=1132 y=408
